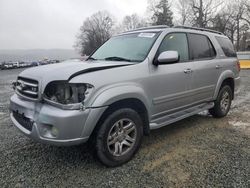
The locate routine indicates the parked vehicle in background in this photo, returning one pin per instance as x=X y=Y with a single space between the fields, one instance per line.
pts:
x=44 y=62
x=15 y=64
x=136 y=81
x=23 y=64
x=70 y=60
x=53 y=61
x=34 y=63
x=1 y=65
x=244 y=58
x=7 y=65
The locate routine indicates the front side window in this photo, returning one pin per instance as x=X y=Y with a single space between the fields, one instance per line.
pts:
x=176 y=42
x=129 y=47
x=200 y=47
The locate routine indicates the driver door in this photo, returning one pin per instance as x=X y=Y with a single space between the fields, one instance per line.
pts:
x=170 y=83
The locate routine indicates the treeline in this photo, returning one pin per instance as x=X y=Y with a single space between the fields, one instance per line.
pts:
x=231 y=18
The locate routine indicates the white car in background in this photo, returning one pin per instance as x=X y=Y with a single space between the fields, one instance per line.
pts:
x=7 y=65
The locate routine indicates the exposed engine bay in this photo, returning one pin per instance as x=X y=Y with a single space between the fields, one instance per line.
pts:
x=65 y=93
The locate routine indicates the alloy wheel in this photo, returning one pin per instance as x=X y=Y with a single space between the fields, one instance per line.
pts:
x=121 y=137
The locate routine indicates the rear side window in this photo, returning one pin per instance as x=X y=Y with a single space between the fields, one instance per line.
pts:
x=176 y=42
x=200 y=47
x=226 y=46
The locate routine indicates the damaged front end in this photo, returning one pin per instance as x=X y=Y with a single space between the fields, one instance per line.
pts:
x=48 y=119
x=68 y=96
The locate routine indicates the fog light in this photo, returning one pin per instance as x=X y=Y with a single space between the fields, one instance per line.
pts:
x=49 y=131
x=54 y=131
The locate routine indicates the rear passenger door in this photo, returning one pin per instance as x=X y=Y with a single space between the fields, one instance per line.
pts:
x=205 y=70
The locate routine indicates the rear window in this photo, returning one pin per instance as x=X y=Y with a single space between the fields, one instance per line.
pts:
x=226 y=46
x=200 y=47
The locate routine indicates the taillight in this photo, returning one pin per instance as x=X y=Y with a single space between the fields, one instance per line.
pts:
x=238 y=65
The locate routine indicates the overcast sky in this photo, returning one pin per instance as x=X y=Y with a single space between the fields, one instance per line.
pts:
x=46 y=24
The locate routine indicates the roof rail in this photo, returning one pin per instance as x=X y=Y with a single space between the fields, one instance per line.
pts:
x=197 y=28
x=150 y=27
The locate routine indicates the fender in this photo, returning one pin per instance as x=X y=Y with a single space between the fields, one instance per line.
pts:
x=226 y=74
x=119 y=92
x=106 y=97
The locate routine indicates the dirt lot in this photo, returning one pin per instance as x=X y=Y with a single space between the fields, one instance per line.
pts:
x=197 y=152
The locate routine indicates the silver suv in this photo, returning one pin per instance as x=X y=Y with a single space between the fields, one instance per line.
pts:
x=137 y=81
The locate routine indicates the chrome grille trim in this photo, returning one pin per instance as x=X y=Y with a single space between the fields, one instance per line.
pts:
x=27 y=87
x=27 y=83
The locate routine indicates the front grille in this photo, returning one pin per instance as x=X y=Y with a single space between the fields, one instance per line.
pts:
x=27 y=87
x=24 y=121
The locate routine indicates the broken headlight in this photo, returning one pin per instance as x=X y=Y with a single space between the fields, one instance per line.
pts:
x=67 y=93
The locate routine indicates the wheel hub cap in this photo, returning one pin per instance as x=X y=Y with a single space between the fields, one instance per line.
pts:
x=225 y=100
x=121 y=137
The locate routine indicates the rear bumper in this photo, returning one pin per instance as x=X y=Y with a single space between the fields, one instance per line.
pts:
x=52 y=125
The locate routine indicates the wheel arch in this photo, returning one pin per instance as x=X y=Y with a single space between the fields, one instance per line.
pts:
x=133 y=103
x=226 y=78
x=112 y=98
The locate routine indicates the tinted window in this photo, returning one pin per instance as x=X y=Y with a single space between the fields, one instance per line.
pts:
x=226 y=46
x=200 y=47
x=177 y=42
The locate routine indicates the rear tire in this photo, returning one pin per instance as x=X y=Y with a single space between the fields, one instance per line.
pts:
x=222 y=103
x=119 y=137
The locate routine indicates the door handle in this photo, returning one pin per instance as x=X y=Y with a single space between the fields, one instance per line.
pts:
x=218 y=66
x=188 y=71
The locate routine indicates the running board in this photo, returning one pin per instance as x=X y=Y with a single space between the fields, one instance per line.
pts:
x=171 y=118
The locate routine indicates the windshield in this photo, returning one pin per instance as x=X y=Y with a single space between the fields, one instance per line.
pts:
x=130 y=47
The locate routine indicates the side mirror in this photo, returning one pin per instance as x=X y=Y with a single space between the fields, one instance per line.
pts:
x=168 y=57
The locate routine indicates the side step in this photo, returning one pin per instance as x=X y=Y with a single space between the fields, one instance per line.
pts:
x=171 y=118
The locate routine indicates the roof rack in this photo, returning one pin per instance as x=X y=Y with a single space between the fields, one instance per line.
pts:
x=196 y=28
x=150 y=27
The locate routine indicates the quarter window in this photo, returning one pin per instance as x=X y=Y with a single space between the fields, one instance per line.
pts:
x=176 y=42
x=226 y=46
x=200 y=47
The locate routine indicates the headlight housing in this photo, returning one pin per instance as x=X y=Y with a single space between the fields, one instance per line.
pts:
x=67 y=95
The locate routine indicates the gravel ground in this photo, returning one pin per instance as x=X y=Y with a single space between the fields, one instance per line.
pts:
x=199 y=151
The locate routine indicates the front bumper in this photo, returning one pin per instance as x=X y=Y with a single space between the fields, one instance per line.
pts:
x=52 y=125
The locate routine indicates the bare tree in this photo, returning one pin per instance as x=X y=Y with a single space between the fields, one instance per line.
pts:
x=238 y=9
x=95 y=30
x=184 y=10
x=232 y=21
x=224 y=21
x=246 y=15
x=132 y=22
x=203 y=11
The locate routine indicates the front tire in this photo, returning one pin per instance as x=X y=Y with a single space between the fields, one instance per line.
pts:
x=119 y=137
x=222 y=103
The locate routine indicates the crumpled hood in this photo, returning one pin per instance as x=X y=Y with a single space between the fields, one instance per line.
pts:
x=67 y=70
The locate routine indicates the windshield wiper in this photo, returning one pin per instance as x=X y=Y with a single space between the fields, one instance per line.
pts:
x=115 y=58
x=91 y=58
